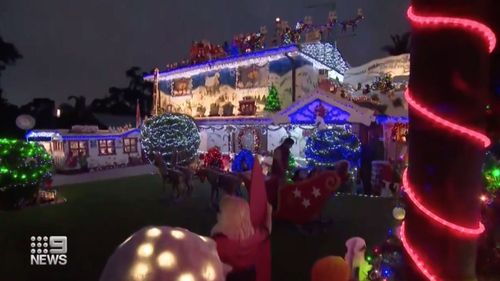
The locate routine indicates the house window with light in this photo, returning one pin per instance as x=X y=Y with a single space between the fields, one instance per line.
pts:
x=130 y=145
x=106 y=147
x=78 y=148
x=57 y=146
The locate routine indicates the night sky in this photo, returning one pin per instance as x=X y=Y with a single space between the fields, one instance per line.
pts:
x=73 y=47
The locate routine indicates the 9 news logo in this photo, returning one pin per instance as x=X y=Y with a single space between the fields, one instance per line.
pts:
x=49 y=250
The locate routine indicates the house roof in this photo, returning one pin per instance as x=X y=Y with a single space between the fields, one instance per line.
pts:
x=111 y=120
x=321 y=55
x=65 y=135
x=339 y=110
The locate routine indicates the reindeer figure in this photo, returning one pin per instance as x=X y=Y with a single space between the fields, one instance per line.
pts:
x=169 y=175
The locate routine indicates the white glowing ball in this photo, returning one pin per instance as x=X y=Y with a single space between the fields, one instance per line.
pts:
x=399 y=213
x=165 y=254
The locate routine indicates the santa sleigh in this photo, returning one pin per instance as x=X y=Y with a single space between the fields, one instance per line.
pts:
x=302 y=202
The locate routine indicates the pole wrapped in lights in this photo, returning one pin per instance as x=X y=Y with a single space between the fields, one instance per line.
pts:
x=488 y=37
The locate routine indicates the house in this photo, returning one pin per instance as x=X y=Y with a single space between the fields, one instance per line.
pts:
x=88 y=148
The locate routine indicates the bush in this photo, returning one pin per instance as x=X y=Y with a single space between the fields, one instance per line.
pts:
x=24 y=166
x=173 y=135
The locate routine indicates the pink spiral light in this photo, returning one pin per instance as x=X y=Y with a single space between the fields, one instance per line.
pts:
x=488 y=37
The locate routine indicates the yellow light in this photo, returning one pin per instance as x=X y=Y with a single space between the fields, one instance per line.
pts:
x=186 y=277
x=153 y=232
x=203 y=238
x=140 y=271
x=145 y=250
x=166 y=259
x=177 y=234
x=208 y=272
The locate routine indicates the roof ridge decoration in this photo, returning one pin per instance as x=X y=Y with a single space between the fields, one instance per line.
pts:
x=327 y=54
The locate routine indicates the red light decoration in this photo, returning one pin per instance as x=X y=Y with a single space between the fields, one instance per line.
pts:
x=415 y=257
x=448 y=22
x=476 y=136
x=477 y=28
x=466 y=231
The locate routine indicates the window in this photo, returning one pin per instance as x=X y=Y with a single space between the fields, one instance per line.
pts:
x=130 y=145
x=78 y=148
x=57 y=146
x=106 y=147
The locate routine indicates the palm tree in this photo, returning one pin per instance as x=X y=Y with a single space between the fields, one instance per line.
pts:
x=8 y=54
x=8 y=112
x=123 y=100
x=400 y=44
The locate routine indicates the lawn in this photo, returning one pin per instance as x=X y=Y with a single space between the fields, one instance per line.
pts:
x=99 y=216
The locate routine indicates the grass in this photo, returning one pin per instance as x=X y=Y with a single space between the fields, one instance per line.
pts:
x=99 y=216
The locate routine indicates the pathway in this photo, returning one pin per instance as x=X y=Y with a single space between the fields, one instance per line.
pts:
x=59 y=179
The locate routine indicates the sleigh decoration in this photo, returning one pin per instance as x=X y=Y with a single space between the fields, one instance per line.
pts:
x=302 y=202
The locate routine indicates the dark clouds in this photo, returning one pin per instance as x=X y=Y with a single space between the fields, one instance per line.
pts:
x=82 y=47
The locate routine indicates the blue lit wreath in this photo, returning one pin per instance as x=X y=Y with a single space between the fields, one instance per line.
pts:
x=244 y=156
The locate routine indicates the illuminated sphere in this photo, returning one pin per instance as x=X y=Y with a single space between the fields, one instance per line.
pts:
x=171 y=134
x=157 y=254
x=331 y=268
x=399 y=213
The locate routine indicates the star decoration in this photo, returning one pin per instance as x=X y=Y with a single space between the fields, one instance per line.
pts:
x=296 y=193
x=316 y=192
x=306 y=203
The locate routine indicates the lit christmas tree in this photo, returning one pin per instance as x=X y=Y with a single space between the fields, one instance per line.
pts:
x=24 y=166
x=173 y=135
x=328 y=146
x=292 y=165
x=273 y=101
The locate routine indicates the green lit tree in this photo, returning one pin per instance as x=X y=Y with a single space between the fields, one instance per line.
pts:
x=24 y=166
x=273 y=101
x=292 y=166
x=173 y=135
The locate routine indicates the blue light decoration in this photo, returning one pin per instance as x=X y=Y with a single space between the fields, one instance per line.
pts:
x=328 y=146
x=307 y=114
x=233 y=61
x=244 y=156
x=384 y=119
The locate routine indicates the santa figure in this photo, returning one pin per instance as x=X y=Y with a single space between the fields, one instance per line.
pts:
x=242 y=232
x=320 y=111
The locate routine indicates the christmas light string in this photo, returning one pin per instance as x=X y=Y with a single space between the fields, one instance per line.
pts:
x=448 y=22
x=489 y=38
x=415 y=257
x=467 y=231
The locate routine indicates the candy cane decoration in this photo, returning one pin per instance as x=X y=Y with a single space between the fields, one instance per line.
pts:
x=488 y=37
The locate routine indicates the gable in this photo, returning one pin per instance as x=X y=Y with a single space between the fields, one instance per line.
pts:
x=307 y=113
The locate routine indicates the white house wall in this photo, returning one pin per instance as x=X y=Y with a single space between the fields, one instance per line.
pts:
x=218 y=137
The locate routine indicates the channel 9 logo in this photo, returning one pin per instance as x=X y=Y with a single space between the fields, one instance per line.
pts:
x=49 y=250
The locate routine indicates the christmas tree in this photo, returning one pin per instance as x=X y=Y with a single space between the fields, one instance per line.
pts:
x=328 y=146
x=24 y=166
x=273 y=100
